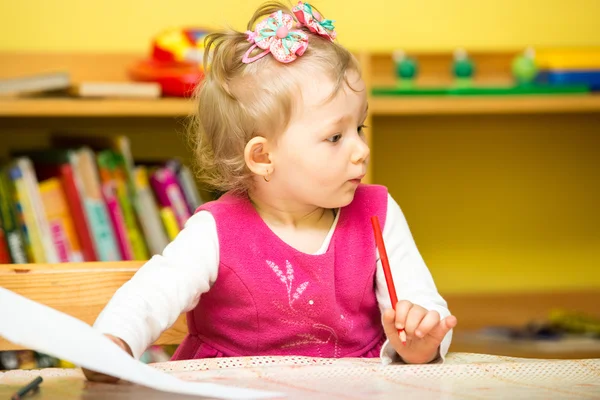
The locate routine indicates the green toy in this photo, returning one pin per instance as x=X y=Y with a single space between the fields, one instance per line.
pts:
x=463 y=69
x=524 y=68
x=524 y=71
x=407 y=69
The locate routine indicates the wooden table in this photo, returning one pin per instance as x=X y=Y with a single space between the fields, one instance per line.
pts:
x=463 y=376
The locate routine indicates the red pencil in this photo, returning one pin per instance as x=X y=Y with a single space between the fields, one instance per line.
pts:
x=386 y=270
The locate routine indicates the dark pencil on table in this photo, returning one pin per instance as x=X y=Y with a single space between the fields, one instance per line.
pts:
x=31 y=386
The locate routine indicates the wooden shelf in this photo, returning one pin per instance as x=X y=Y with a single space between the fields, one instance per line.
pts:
x=378 y=106
x=94 y=108
x=484 y=105
x=493 y=69
x=77 y=289
x=571 y=348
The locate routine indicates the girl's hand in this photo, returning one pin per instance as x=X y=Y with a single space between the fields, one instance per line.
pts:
x=98 y=377
x=424 y=331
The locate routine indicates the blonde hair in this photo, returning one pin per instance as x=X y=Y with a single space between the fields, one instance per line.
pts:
x=238 y=101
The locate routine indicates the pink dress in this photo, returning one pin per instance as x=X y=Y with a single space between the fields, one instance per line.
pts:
x=271 y=299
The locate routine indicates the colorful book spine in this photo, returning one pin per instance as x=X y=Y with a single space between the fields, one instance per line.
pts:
x=4 y=252
x=30 y=229
x=117 y=153
x=169 y=194
x=145 y=220
x=115 y=195
x=60 y=220
x=56 y=163
x=39 y=213
x=12 y=232
x=105 y=243
x=186 y=181
x=57 y=229
x=170 y=222
x=138 y=244
x=118 y=221
x=150 y=220
x=73 y=199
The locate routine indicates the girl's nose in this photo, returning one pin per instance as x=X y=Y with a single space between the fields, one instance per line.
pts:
x=361 y=152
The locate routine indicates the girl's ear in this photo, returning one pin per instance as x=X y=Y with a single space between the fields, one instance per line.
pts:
x=256 y=155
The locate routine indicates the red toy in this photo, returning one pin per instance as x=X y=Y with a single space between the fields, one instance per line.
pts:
x=175 y=63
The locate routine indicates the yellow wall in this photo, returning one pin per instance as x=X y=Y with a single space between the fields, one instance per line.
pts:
x=497 y=203
x=127 y=25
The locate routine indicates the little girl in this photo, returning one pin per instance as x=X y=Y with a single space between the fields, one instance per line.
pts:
x=285 y=262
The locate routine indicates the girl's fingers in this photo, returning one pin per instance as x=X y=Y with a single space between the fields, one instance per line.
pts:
x=442 y=328
x=431 y=319
x=389 y=326
x=414 y=318
x=402 y=309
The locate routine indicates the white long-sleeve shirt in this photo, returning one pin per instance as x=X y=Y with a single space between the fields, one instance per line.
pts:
x=173 y=282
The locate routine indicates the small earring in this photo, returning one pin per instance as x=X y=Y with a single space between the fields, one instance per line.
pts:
x=265 y=178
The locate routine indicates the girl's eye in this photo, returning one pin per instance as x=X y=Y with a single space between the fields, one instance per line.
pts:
x=361 y=129
x=335 y=138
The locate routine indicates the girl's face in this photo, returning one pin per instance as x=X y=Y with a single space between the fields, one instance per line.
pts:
x=321 y=157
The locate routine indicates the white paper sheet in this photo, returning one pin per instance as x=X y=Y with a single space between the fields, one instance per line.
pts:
x=41 y=328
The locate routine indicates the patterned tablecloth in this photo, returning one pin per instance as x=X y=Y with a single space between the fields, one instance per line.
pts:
x=462 y=376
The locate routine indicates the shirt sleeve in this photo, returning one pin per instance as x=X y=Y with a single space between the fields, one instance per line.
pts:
x=164 y=287
x=412 y=278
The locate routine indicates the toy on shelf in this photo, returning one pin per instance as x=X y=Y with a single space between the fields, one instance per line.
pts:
x=175 y=62
x=406 y=69
x=524 y=69
x=463 y=69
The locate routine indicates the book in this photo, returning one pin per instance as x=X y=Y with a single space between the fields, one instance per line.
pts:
x=35 y=83
x=154 y=229
x=88 y=180
x=4 y=252
x=147 y=214
x=8 y=215
x=169 y=194
x=147 y=90
x=60 y=221
x=25 y=219
x=187 y=183
x=50 y=163
x=146 y=208
x=170 y=222
x=34 y=215
x=80 y=220
x=129 y=212
x=109 y=194
x=111 y=166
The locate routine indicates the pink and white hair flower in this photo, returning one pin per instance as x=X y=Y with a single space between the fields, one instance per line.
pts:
x=275 y=35
x=314 y=21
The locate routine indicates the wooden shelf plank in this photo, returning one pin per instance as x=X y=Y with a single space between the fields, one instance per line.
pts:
x=77 y=289
x=94 y=108
x=570 y=348
x=381 y=105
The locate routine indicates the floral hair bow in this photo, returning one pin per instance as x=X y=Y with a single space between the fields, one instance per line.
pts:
x=314 y=21
x=276 y=36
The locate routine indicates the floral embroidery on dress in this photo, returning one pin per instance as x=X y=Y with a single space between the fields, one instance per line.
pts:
x=288 y=280
x=294 y=317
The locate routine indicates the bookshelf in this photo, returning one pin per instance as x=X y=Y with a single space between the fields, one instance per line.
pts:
x=500 y=192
